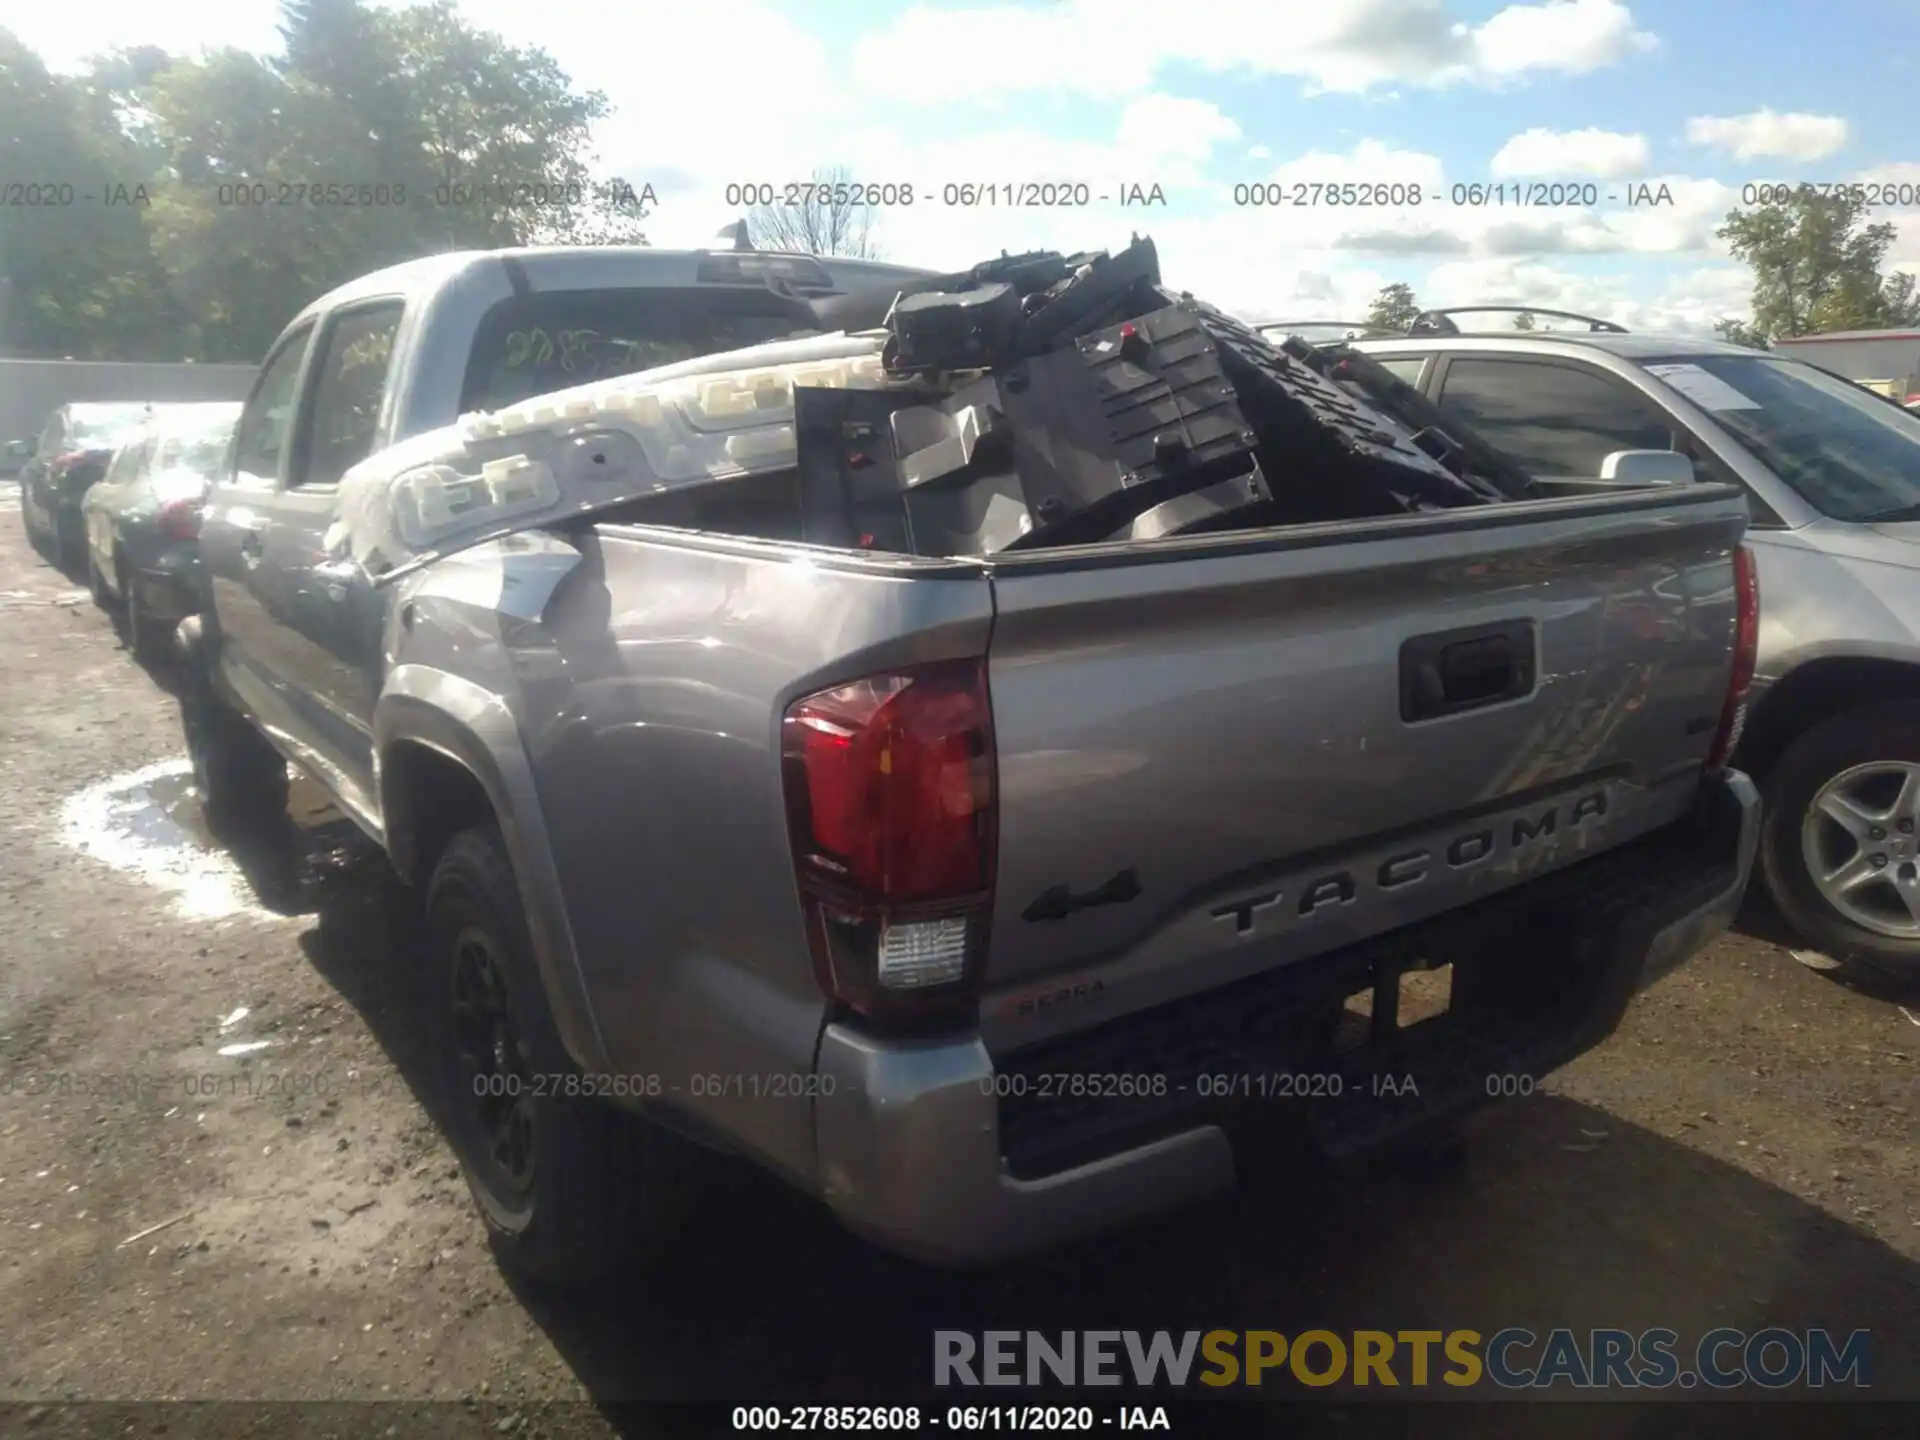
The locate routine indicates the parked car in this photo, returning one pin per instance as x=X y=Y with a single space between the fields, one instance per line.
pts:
x=143 y=521
x=1832 y=476
x=964 y=883
x=31 y=388
x=70 y=455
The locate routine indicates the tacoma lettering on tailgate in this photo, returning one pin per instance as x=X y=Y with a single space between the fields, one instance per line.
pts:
x=1506 y=836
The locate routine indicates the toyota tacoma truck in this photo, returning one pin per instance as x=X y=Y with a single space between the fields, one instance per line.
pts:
x=986 y=748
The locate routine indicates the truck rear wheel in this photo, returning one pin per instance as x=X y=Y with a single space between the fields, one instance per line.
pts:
x=1841 y=845
x=571 y=1188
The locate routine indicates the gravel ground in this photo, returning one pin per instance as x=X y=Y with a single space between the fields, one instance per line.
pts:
x=1741 y=1153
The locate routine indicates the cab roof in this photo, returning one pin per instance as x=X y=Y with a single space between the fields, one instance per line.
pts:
x=568 y=267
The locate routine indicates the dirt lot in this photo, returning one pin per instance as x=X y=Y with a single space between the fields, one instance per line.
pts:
x=1742 y=1153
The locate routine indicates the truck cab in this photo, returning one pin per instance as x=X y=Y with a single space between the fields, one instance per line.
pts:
x=406 y=350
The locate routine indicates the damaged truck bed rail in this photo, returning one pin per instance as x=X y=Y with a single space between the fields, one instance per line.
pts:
x=1034 y=400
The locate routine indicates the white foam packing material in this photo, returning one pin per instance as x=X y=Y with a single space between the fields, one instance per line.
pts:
x=691 y=423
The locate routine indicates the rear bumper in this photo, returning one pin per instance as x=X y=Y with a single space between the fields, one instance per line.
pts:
x=934 y=1150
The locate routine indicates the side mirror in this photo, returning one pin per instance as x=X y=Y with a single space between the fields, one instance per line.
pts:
x=1647 y=467
x=21 y=449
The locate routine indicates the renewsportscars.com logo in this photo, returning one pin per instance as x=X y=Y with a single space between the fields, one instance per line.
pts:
x=1511 y=1359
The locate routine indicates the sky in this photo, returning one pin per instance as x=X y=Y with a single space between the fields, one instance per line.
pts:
x=1220 y=103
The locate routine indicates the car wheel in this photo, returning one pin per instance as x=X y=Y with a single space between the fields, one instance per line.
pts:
x=149 y=639
x=1841 y=845
x=570 y=1187
x=34 y=537
x=69 y=542
x=241 y=778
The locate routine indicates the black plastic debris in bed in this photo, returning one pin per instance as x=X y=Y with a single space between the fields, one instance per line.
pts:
x=1081 y=393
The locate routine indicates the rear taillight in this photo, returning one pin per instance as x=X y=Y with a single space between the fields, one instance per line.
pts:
x=890 y=800
x=1746 y=650
x=179 y=519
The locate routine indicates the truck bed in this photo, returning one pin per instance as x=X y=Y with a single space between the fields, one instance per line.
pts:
x=1215 y=754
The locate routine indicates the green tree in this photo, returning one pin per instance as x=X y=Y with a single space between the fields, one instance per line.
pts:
x=1816 y=264
x=114 y=95
x=243 y=263
x=76 y=275
x=1394 y=308
x=1740 y=332
x=503 y=137
x=1900 y=300
x=368 y=103
x=1524 y=320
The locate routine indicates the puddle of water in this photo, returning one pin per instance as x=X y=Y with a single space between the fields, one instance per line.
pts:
x=147 y=823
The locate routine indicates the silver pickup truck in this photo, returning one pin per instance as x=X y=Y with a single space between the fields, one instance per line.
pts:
x=813 y=747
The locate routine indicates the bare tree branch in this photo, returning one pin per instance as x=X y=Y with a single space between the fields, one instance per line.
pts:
x=829 y=220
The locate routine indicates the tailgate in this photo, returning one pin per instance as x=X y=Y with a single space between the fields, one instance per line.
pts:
x=1219 y=755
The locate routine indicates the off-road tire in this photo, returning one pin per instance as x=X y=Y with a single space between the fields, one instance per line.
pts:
x=241 y=778
x=607 y=1189
x=1880 y=732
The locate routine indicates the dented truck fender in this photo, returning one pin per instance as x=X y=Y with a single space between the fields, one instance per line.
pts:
x=468 y=725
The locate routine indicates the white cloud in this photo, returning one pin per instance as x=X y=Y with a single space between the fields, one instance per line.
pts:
x=1369 y=162
x=1687 y=225
x=1161 y=124
x=1686 y=304
x=64 y=36
x=1574 y=36
x=1904 y=176
x=684 y=127
x=1768 y=133
x=1120 y=46
x=1561 y=154
x=1681 y=221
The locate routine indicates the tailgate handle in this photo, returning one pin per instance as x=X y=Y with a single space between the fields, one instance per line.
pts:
x=1459 y=670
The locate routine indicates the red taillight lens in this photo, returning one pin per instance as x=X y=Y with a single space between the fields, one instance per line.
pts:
x=890 y=798
x=1746 y=652
x=179 y=519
